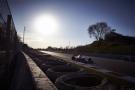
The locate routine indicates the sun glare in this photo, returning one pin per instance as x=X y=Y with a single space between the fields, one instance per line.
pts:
x=46 y=24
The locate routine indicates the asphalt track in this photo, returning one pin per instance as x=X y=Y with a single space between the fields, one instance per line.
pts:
x=120 y=66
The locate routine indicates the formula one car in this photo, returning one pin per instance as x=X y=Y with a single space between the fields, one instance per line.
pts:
x=82 y=58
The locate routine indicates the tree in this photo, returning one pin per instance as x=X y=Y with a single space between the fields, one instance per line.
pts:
x=99 y=30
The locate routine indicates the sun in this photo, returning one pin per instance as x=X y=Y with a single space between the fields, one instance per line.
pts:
x=46 y=24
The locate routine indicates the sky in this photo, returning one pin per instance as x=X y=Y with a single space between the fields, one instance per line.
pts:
x=69 y=20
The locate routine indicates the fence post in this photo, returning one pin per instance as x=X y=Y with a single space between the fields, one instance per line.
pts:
x=8 y=35
x=8 y=47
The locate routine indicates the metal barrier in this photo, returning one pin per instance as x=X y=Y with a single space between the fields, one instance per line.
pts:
x=8 y=44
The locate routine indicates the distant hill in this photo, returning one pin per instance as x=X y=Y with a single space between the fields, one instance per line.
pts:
x=113 y=43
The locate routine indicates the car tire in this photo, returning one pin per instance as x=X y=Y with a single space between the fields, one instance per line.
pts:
x=73 y=58
x=50 y=64
x=80 y=81
x=90 y=61
x=57 y=71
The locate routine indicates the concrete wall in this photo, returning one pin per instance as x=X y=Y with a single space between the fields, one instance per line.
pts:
x=21 y=76
x=41 y=79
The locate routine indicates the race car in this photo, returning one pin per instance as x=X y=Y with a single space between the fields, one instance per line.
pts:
x=82 y=58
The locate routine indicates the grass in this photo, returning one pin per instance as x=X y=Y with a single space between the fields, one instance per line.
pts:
x=107 y=47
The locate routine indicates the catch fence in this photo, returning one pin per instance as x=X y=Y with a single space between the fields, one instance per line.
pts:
x=9 y=42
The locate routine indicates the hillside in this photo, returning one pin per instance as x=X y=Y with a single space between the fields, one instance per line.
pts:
x=114 y=43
